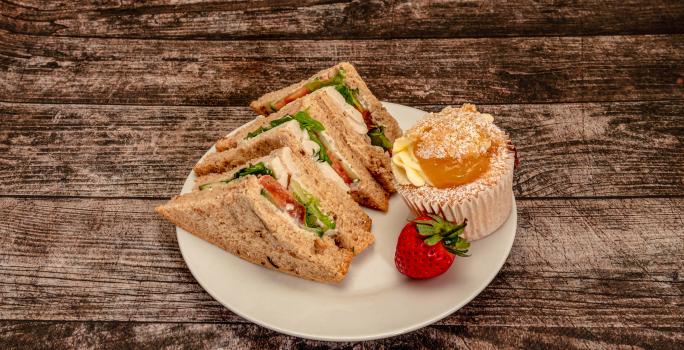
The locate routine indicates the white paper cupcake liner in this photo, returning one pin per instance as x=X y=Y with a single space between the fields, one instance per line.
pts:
x=486 y=211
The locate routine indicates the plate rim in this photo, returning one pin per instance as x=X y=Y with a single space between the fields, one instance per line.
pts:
x=347 y=338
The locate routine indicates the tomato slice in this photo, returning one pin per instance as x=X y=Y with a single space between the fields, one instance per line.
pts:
x=367 y=118
x=279 y=105
x=336 y=164
x=281 y=198
x=301 y=92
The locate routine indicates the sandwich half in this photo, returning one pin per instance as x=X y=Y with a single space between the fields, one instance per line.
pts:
x=354 y=131
x=274 y=211
x=329 y=210
x=307 y=124
x=239 y=219
x=288 y=135
x=381 y=128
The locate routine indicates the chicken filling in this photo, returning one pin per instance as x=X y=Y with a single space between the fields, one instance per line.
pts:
x=288 y=195
x=375 y=132
x=319 y=144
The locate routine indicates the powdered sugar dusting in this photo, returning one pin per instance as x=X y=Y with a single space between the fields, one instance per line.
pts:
x=455 y=133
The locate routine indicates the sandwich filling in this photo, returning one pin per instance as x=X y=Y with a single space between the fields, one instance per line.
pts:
x=319 y=144
x=375 y=132
x=277 y=176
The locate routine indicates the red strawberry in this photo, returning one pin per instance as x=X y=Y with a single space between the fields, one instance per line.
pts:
x=427 y=245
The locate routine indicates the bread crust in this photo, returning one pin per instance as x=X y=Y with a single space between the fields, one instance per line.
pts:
x=229 y=157
x=353 y=224
x=236 y=218
x=370 y=192
x=353 y=80
x=374 y=158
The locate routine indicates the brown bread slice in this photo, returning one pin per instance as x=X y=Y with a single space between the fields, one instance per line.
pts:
x=353 y=80
x=255 y=147
x=374 y=158
x=238 y=219
x=370 y=192
x=352 y=223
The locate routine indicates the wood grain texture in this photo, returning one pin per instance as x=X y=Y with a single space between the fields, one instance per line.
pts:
x=606 y=149
x=112 y=335
x=106 y=105
x=107 y=150
x=430 y=71
x=575 y=263
x=326 y=19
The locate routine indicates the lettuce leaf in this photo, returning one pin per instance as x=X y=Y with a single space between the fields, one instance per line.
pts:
x=315 y=219
x=270 y=126
x=378 y=138
x=252 y=169
x=337 y=79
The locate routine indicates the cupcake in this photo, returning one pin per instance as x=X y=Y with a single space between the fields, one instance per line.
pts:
x=456 y=163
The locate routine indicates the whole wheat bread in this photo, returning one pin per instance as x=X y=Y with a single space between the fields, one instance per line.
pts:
x=252 y=148
x=353 y=80
x=238 y=219
x=370 y=193
x=353 y=224
x=375 y=159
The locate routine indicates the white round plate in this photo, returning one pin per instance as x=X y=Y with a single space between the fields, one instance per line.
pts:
x=374 y=300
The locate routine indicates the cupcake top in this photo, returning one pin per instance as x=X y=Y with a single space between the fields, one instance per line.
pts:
x=450 y=148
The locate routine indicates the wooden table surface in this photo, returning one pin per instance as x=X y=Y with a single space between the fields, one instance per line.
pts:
x=105 y=107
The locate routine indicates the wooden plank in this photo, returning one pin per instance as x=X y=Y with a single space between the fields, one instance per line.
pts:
x=326 y=20
x=106 y=150
x=575 y=263
x=130 y=335
x=428 y=71
x=604 y=149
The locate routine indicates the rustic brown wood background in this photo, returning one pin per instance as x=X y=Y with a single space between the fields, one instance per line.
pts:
x=106 y=105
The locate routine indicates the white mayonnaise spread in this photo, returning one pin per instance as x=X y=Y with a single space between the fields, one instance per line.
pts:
x=285 y=157
x=328 y=172
x=328 y=142
x=311 y=148
x=354 y=119
x=280 y=172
